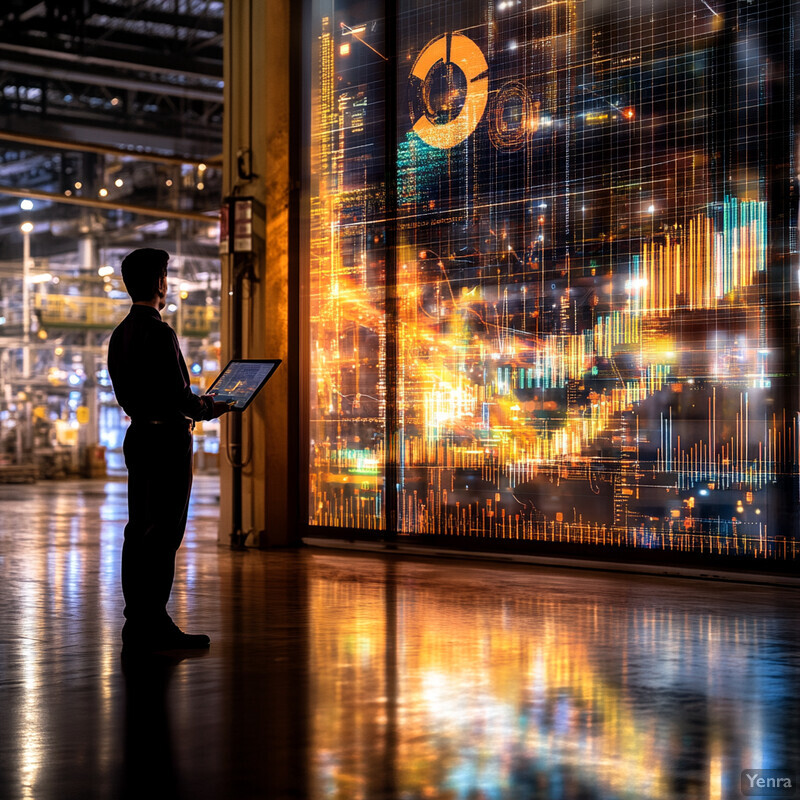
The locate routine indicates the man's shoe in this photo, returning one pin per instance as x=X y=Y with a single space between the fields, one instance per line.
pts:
x=176 y=639
x=172 y=638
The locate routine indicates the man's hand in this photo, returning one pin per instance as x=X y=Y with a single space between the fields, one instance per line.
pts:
x=221 y=408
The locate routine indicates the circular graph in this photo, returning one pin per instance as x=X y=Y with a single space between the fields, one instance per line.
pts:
x=450 y=88
x=513 y=117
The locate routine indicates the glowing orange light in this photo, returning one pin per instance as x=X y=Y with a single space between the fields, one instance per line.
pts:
x=628 y=113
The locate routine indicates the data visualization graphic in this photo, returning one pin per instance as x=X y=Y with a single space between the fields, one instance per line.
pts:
x=572 y=318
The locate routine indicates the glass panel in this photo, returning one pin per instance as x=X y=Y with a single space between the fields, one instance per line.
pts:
x=593 y=274
x=594 y=235
x=348 y=336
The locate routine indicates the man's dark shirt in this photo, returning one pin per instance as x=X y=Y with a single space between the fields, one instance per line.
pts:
x=146 y=366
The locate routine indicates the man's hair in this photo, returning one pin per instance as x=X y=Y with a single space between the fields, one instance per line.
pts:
x=142 y=271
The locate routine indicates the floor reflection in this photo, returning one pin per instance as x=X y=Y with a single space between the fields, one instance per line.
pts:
x=515 y=684
x=149 y=758
x=334 y=676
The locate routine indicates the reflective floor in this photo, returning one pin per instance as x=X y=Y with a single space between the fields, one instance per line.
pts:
x=355 y=676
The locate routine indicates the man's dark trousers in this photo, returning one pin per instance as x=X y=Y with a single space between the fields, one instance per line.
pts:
x=159 y=462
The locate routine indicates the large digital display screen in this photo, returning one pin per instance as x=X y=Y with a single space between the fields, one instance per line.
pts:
x=589 y=254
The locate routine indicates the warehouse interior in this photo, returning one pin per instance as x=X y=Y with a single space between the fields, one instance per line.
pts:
x=101 y=152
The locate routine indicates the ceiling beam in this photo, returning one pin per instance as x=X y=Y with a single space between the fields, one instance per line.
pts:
x=82 y=129
x=150 y=14
x=162 y=213
x=212 y=69
x=121 y=152
x=109 y=80
x=154 y=49
x=169 y=64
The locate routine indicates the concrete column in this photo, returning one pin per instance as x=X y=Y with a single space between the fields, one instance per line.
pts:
x=256 y=164
x=89 y=434
x=86 y=254
x=90 y=393
x=26 y=305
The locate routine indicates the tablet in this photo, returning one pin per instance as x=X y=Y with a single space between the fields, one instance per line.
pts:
x=242 y=380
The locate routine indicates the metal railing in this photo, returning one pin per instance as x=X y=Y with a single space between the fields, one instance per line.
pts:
x=103 y=313
x=66 y=311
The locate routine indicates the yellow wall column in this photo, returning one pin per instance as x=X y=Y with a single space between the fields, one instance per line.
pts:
x=256 y=164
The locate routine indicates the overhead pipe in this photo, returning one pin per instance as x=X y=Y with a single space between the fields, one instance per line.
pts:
x=162 y=213
x=134 y=84
x=121 y=152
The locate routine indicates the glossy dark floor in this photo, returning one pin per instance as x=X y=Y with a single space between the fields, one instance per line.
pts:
x=344 y=676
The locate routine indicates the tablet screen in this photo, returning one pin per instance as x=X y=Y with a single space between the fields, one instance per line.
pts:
x=240 y=381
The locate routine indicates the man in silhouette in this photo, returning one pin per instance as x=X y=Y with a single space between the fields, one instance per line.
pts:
x=152 y=385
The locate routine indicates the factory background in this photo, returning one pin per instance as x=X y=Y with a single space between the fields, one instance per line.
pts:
x=103 y=150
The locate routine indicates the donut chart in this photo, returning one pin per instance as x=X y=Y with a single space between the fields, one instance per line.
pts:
x=460 y=52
